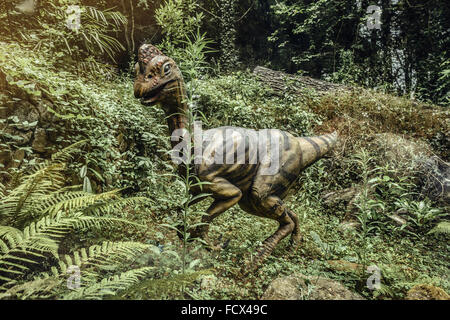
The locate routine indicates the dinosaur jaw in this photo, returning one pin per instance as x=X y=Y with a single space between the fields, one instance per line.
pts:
x=151 y=99
x=154 y=95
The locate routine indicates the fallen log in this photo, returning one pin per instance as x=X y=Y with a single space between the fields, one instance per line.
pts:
x=281 y=82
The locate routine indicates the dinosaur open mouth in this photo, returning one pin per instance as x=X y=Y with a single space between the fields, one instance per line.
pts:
x=153 y=95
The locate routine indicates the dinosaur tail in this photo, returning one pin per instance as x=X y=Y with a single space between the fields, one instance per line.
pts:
x=314 y=148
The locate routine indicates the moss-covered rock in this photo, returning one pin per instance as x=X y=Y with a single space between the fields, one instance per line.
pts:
x=427 y=292
x=301 y=287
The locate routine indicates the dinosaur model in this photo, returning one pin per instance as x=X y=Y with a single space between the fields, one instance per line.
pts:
x=248 y=183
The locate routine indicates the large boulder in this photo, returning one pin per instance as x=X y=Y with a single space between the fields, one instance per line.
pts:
x=435 y=179
x=409 y=157
x=302 y=287
x=40 y=140
x=427 y=292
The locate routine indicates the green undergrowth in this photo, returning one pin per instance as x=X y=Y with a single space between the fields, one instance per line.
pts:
x=126 y=148
x=125 y=140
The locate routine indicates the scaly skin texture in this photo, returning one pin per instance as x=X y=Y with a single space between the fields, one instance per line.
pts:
x=244 y=182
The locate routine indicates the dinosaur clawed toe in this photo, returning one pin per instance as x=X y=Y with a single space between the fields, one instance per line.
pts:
x=294 y=242
x=255 y=262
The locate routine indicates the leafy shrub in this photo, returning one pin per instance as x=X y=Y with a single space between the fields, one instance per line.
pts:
x=47 y=30
x=239 y=100
x=123 y=136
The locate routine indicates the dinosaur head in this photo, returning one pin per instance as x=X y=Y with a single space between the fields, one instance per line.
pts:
x=158 y=78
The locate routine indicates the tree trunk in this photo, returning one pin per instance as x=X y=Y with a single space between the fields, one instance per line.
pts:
x=281 y=82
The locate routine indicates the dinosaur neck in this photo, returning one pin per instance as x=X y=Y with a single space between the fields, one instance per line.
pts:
x=177 y=109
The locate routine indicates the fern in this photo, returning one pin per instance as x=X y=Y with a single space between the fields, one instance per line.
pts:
x=96 y=24
x=43 y=181
x=94 y=262
x=107 y=207
x=109 y=286
x=40 y=288
x=66 y=154
x=22 y=249
x=441 y=228
x=45 y=178
x=157 y=288
x=48 y=212
x=75 y=200
x=2 y=190
x=107 y=254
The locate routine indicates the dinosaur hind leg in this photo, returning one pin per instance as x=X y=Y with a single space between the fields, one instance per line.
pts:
x=295 y=235
x=274 y=208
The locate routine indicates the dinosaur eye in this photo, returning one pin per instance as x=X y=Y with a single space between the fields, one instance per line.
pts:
x=167 y=68
x=149 y=76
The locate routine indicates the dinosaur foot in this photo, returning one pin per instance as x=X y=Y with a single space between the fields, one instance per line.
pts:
x=257 y=260
x=202 y=235
x=197 y=233
x=294 y=242
x=213 y=247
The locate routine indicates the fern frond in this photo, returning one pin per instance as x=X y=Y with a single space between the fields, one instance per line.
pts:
x=35 y=289
x=75 y=200
x=441 y=228
x=92 y=261
x=163 y=288
x=105 y=17
x=108 y=254
x=111 y=285
x=66 y=154
x=46 y=179
x=21 y=249
x=89 y=222
x=95 y=24
x=110 y=206
x=2 y=190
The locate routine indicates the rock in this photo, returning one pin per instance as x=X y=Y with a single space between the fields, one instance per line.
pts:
x=427 y=292
x=301 y=287
x=402 y=152
x=5 y=156
x=435 y=179
x=340 y=195
x=397 y=219
x=343 y=265
x=208 y=282
x=18 y=158
x=25 y=111
x=122 y=142
x=44 y=115
x=343 y=198
x=415 y=157
x=349 y=225
x=26 y=137
x=40 y=140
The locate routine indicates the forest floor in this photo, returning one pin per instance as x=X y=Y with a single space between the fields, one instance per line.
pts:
x=370 y=203
x=334 y=246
